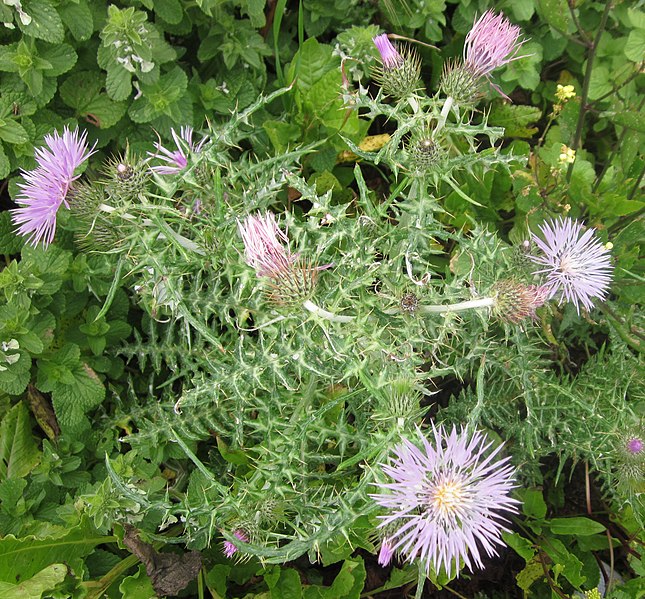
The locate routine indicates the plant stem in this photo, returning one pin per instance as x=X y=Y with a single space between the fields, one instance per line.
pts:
x=445 y=111
x=484 y=302
x=318 y=311
x=585 y=86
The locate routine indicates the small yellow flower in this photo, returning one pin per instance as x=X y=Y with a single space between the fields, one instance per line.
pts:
x=566 y=207
x=567 y=155
x=564 y=92
x=593 y=594
x=609 y=245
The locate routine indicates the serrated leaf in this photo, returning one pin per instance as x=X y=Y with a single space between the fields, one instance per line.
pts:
x=10 y=243
x=5 y=168
x=13 y=132
x=45 y=580
x=118 y=83
x=16 y=377
x=82 y=91
x=62 y=58
x=630 y=120
x=635 y=46
x=27 y=556
x=310 y=63
x=78 y=19
x=19 y=453
x=46 y=23
x=515 y=119
x=169 y=10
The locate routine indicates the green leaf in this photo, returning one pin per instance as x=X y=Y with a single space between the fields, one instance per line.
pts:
x=83 y=92
x=350 y=580
x=533 y=504
x=13 y=132
x=514 y=118
x=26 y=556
x=62 y=57
x=19 y=453
x=46 y=23
x=600 y=82
x=169 y=10
x=520 y=545
x=556 y=13
x=635 y=46
x=284 y=583
x=137 y=586
x=118 y=83
x=579 y=526
x=5 y=169
x=570 y=565
x=34 y=588
x=78 y=19
x=74 y=386
x=310 y=63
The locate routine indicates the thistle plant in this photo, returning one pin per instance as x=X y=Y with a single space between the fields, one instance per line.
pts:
x=400 y=68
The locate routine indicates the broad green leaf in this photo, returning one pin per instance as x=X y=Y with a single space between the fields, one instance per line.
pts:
x=310 y=63
x=26 y=556
x=137 y=586
x=18 y=450
x=570 y=565
x=5 y=168
x=46 y=23
x=78 y=19
x=62 y=58
x=600 y=82
x=284 y=583
x=522 y=546
x=533 y=504
x=16 y=377
x=83 y=91
x=556 y=13
x=13 y=132
x=350 y=580
x=169 y=10
x=635 y=46
x=631 y=120
x=515 y=119
x=118 y=83
x=34 y=588
x=575 y=526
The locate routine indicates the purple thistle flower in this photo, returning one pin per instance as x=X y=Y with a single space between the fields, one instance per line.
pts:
x=229 y=547
x=176 y=160
x=390 y=56
x=386 y=553
x=577 y=265
x=634 y=446
x=446 y=498
x=46 y=186
x=492 y=42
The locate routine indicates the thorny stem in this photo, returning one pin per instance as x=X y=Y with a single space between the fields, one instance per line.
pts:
x=585 y=86
x=445 y=111
x=318 y=311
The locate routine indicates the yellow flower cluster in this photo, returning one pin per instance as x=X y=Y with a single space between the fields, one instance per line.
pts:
x=567 y=155
x=564 y=92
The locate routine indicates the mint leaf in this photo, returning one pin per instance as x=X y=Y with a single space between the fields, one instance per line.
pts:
x=83 y=92
x=118 y=83
x=78 y=19
x=10 y=243
x=19 y=453
x=169 y=10
x=61 y=57
x=46 y=23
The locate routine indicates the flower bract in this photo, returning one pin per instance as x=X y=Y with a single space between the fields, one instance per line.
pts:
x=446 y=499
x=576 y=264
x=46 y=187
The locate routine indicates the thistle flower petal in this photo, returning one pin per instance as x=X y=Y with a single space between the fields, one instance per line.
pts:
x=390 y=56
x=46 y=187
x=576 y=264
x=446 y=499
x=176 y=160
x=229 y=547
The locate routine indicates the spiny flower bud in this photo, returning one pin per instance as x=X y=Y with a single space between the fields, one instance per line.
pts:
x=126 y=177
x=399 y=72
x=516 y=301
x=460 y=83
x=290 y=279
x=423 y=150
x=631 y=459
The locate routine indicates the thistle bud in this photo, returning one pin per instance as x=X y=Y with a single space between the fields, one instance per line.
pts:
x=516 y=301
x=460 y=83
x=631 y=459
x=423 y=151
x=399 y=72
x=126 y=177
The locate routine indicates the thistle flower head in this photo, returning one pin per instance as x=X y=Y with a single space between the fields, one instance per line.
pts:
x=515 y=301
x=266 y=249
x=229 y=547
x=386 y=553
x=423 y=150
x=631 y=458
x=492 y=42
x=176 y=160
x=46 y=187
x=577 y=265
x=399 y=73
x=446 y=498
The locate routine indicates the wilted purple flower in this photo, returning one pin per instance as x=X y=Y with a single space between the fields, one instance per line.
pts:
x=176 y=160
x=229 y=548
x=390 y=56
x=576 y=264
x=446 y=498
x=47 y=185
x=492 y=42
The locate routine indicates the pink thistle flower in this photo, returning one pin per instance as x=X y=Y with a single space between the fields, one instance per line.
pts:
x=390 y=56
x=46 y=186
x=386 y=553
x=492 y=42
x=576 y=264
x=446 y=498
x=634 y=446
x=229 y=547
x=177 y=160
x=266 y=249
